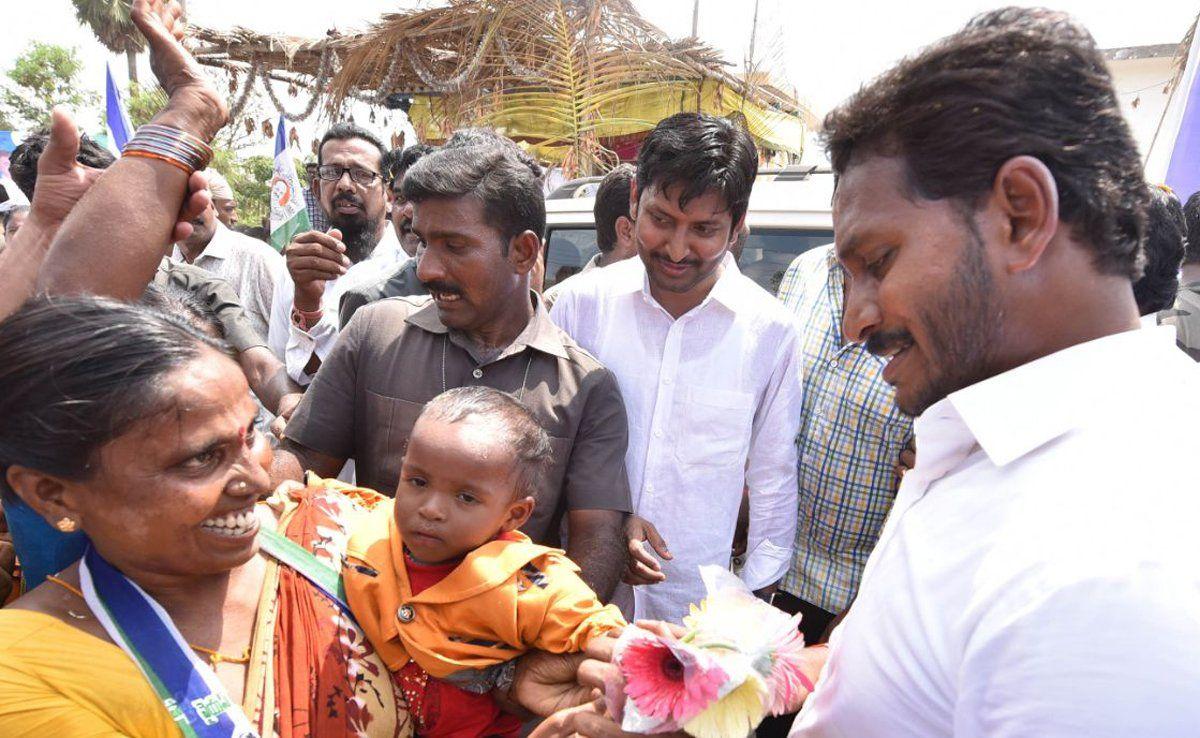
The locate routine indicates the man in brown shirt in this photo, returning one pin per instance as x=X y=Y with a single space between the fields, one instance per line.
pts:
x=478 y=211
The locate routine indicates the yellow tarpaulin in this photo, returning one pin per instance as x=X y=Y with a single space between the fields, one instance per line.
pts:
x=518 y=116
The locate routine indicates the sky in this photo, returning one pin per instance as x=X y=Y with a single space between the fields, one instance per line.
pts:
x=824 y=50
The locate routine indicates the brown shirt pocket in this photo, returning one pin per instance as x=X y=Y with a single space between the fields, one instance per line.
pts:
x=385 y=427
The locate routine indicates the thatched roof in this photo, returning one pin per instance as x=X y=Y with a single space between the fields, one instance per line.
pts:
x=575 y=65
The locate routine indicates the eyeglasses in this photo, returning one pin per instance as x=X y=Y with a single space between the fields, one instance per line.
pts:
x=332 y=173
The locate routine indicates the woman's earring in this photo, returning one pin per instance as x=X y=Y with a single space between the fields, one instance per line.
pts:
x=66 y=525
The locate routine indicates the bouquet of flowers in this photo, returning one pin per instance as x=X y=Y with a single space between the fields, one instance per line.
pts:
x=739 y=660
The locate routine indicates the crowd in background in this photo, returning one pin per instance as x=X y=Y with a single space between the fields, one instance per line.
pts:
x=954 y=442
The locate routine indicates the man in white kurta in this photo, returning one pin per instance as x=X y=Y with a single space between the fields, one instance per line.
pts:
x=714 y=401
x=298 y=345
x=708 y=364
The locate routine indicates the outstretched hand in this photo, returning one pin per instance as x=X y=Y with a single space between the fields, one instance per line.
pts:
x=194 y=104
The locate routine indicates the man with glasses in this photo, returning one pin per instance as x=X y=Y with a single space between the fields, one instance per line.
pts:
x=358 y=248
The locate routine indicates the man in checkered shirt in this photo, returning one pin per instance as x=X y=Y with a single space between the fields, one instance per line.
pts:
x=850 y=439
x=849 y=443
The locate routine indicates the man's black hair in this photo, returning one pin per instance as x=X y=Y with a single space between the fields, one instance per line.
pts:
x=1013 y=82
x=400 y=161
x=1191 y=216
x=346 y=131
x=612 y=202
x=695 y=153
x=22 y=163
x=257 y=232
x=480 y=136
x=1166 y=235
x=511 y=196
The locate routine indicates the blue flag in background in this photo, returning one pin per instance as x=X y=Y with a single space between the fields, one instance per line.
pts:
x=120 y=130
x=1174 y=155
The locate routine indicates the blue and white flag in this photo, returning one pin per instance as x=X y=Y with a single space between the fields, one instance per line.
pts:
x=120 y=130
x=1174 y=156
x=289 y=216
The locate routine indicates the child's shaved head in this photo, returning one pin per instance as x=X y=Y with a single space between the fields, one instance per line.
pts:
x=514 y=425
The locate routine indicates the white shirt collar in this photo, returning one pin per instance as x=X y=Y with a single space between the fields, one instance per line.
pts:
x=218 y=247
x=388 y=248
x=1016 y=412
x=725 y=291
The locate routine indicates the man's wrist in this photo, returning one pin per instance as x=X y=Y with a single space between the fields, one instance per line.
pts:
x=306 y=302
x=305 y=320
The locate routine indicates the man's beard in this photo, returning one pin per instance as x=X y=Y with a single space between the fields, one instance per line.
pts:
x=360 y=234
x=360 y=239
x=963 y=322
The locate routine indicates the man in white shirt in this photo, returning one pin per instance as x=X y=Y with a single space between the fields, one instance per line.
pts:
x=708 y=364
x=250 y=266
x=223 y=199
x=1039 y=574
x=360 y=248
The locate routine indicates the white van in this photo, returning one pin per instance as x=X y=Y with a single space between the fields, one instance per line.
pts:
x=789 y=214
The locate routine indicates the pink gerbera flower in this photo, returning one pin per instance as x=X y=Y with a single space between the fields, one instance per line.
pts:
x=668 y=680
x=789 y=683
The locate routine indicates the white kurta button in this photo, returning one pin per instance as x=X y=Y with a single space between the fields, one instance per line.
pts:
x=405 y=614
x=477 y=373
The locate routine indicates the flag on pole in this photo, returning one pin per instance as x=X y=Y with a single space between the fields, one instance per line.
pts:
x=288 y=213
x=120 y=130
x=1174 y=155
x=1183 y=172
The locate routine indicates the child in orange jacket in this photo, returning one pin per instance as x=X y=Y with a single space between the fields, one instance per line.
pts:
x=447 y=589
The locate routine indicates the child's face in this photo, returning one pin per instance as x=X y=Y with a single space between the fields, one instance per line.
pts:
x=456 y=489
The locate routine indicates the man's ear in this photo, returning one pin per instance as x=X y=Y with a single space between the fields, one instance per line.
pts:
x=624 y=229
x=523 y=251
x=736 y=231
x=518 y=512
x=1025 y=198
x=49 y=496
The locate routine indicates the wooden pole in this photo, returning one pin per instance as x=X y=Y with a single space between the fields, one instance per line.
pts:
x=695 y=18
x=753 y=34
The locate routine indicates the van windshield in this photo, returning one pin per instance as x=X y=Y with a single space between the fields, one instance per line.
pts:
x=765 y=257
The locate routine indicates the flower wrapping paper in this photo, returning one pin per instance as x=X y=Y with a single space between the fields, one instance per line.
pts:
x=739 y=660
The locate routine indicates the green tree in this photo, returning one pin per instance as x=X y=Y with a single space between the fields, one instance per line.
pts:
x=144 y=103
x=110 y=21
x=251 y=180
x=43 y=76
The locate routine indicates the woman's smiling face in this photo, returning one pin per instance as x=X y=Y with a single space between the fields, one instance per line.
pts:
x=175 y=493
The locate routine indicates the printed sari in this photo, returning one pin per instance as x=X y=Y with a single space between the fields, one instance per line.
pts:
x=311 y=672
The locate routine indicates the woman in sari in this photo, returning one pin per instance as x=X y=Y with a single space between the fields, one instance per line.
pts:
x=195 y=611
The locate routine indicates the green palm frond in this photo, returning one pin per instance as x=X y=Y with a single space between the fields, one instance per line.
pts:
x=110 y=21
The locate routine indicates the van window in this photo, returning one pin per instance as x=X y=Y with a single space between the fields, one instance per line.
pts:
x=765 y=257
x=567 y=250
x=768 y=253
